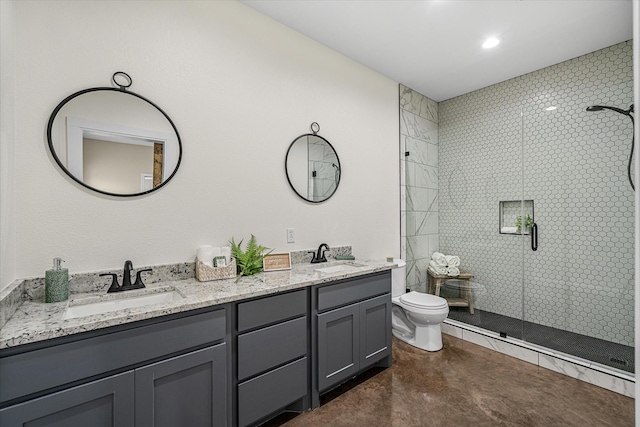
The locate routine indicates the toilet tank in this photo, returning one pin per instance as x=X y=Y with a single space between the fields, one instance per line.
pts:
x=399 y=278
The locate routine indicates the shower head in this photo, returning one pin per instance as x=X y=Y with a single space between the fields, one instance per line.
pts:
x=628 y=114
x=606 y=107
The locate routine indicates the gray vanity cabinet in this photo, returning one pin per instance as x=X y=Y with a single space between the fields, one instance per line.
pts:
x=272 y=363
x=108 y=402
x=352 y=324
x=375 y=330
x=170 y=371
x=186 y=390
x=338 y=345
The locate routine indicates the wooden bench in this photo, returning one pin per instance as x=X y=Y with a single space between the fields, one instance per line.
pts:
x=434 y=281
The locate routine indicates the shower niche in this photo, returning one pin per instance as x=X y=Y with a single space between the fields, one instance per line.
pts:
x=516 y=216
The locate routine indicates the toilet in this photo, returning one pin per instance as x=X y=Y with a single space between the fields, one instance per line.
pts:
x=416 y=316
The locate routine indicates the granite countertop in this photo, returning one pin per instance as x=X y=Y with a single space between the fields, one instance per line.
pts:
x=35 y=320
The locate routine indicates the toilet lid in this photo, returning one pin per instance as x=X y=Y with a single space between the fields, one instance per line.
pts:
x=422 y=300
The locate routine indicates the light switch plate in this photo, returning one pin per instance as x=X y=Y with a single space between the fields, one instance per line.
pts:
x=291 y=235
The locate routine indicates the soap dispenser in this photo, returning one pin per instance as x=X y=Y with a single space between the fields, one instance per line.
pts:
x=56 y=282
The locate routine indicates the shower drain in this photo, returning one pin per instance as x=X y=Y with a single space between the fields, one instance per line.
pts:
x=618 y=361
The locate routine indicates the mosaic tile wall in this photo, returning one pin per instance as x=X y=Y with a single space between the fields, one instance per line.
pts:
x=500 y=143
x=419 y=183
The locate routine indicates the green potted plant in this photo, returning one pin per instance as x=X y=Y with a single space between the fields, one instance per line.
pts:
x=528 y=222
x=248 y=261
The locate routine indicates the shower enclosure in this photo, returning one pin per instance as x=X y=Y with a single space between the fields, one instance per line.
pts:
x=533 y=195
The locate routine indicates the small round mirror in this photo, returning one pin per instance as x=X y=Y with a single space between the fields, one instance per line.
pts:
x=114 y=141
x=313 y=167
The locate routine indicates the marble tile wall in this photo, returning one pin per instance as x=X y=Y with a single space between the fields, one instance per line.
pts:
x=419 y=183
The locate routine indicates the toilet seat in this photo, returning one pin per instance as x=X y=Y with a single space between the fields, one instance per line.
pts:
x=424 y=301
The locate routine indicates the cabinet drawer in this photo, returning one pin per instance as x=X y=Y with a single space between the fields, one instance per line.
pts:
x=65 y=363
x=267 y=310
x=271 y=346
x=272 y=391
x=353 y=290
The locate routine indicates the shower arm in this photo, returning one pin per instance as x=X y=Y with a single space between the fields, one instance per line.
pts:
x=628 y=114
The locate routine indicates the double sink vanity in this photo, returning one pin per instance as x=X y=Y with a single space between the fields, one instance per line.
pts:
x=180 y=352
x=183 y=352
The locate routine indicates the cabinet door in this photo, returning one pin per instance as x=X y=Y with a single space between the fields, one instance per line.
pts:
x=102 y=403
x=188 y=390
x=338 y=345
x=375 y=330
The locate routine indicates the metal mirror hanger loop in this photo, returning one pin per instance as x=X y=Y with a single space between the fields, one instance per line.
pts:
x=122 y=80
x=315 y=128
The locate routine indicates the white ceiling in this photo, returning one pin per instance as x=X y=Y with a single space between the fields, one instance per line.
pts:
x=434 y=46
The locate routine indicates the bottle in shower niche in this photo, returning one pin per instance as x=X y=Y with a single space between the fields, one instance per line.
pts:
x=56 y=283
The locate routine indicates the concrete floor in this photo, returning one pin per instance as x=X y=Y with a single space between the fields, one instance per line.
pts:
x=464 y=385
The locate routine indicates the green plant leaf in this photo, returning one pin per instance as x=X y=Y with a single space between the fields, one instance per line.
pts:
x=248 y=261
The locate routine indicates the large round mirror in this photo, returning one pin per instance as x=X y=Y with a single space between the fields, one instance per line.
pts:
x=313 y=167
x=114 y=141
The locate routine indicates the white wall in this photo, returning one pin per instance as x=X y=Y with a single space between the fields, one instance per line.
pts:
x=7 y=144
x=239 y=88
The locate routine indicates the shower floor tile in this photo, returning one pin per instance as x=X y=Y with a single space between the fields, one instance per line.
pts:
x=593 y=349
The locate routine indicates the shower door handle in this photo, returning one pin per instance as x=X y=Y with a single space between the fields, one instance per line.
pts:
x=534 y=237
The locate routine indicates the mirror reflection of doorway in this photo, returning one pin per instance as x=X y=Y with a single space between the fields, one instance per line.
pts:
x=158 y=156
x=116 y=166
x=116 y=155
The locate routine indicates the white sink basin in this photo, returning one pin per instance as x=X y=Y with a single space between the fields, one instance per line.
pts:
x=340 y=268
x=81 y=310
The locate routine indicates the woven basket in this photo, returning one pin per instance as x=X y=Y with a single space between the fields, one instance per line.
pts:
x=204 y=273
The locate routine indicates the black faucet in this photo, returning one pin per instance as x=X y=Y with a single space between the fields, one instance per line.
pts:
x=126 y=279
x=319 y=257
x=126 y=274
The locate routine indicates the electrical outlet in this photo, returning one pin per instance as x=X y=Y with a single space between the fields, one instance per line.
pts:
x=291 y=235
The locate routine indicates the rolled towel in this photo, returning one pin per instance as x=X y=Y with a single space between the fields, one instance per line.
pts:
x=452 y=260
x=509 y=230
x=436 y=268
x=216 y=251
x=439 y=259
x=453 y=271
x=205 y=254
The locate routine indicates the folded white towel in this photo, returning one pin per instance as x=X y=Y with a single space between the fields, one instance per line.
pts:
x=439 y=259
x=452 y=260
x=453 y=271
x=205 y=254
x=436 y=268
x=509 y=230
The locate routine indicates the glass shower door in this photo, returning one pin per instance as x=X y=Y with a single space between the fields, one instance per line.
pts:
x=480 y=202
x=578 y=295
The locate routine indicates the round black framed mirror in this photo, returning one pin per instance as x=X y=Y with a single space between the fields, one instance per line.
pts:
x=313 y=167
x=114 y=141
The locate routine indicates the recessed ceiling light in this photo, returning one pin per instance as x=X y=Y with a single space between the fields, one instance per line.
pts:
x=551 y=108
x=491 y=42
